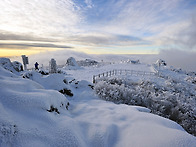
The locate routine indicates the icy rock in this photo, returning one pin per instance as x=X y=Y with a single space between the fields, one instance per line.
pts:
x=17 y=66
x=66 y=91
x=8 y=65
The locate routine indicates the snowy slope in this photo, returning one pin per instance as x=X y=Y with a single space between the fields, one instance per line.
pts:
x=26 y=119
x=87 y=73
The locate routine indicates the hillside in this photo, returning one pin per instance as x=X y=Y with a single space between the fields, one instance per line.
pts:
x=64 y=109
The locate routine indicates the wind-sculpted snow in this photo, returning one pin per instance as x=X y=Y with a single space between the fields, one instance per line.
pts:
x=53 y=81
x=24 y=118
x=170 y=97
x=33 y=113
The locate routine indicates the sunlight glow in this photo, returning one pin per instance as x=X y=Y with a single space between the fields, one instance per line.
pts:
x=17 y=52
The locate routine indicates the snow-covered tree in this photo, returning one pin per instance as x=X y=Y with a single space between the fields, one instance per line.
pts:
x=52 y=66
x=71 y=62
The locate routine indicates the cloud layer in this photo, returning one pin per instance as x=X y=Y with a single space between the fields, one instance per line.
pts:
x=180 y=59
x=39 y=17
x=115 y=23
x=30 y=45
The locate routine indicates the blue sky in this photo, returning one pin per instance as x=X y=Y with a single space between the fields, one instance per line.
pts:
x=97 y=26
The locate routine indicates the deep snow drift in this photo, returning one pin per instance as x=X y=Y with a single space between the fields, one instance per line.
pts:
x=34 y=113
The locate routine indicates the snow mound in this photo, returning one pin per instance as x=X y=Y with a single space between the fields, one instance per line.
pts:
x=25 y=107
x=5 y=72
x=14 y=67
x=52 y=81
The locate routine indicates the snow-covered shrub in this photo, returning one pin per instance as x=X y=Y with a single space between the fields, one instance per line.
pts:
x=43 y=72
x=191 y=79
x=170 y=99
x=87 y=62
x=191 y=73
x=66 y=91
x=27 y=75
x=61 y=71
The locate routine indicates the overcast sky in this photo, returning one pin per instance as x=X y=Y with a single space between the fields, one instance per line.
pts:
x=97 y=26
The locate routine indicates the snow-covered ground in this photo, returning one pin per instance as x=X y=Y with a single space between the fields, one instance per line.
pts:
x=86 y=73
x=34 y=113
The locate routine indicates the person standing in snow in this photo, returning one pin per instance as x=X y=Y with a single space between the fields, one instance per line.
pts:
x=36 y=66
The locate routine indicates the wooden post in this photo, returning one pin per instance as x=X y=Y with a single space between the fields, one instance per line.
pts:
x=94 y=79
